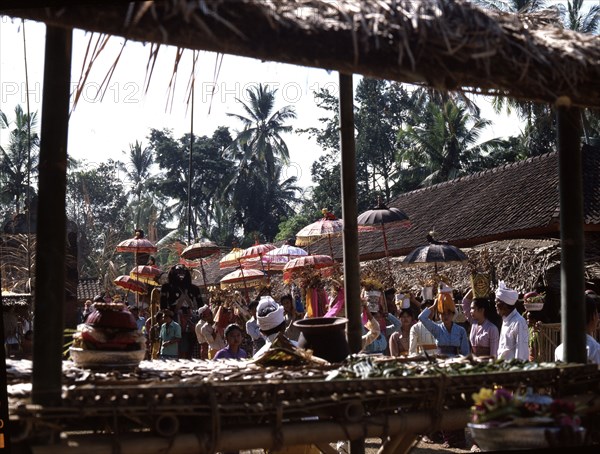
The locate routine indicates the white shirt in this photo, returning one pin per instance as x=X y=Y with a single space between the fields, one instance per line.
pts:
x=419 y=335
x=591 y=345
x=514 y=337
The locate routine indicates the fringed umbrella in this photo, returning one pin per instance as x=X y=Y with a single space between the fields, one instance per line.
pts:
x=200 y=250
x=329 y=226
x=315 y=262
x=138 y=244
x=146 y=274
x=131 y=285
x=380 y=218
x=231 y=259
x=435 y=252
x=256 y=251
x=266 y=263
x=243 y=279
x=287 y=251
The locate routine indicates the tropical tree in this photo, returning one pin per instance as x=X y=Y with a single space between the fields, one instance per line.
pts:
x=137 y=170
x=261 y=137
x=576 y=19
x=18 y=161
x=446 y=143
x=209 y=178
x=98 y=204
x=513 y=6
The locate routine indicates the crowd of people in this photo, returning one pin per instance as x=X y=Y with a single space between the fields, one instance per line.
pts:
x=399 y=324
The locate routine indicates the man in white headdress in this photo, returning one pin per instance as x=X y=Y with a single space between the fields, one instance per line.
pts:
x=514 y=336
x=271 y=322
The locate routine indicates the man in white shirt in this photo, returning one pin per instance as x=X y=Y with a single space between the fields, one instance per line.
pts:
x=592 y=346
x=514 y=335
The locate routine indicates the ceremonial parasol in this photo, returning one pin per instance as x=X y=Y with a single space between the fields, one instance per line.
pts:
x=379 y=218
x=137 y=245
x=200 y=250
x=310 y=261
x=231 y=259
x=271 y=263
x=243 y=279
x=435 y=252
x=256 y=251
x=146 y=274
x=328 y=226
x=275 y=259
x=287 y=251
x=131 y=285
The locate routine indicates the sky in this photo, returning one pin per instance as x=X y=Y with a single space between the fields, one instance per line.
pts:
x=103 y=128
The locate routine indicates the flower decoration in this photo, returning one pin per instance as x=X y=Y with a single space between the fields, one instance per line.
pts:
x=371 y=283
x=501 y=407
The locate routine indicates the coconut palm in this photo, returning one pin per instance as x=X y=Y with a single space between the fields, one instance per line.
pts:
x=513 y=6
x=575 y=19
x=18 y=161
x=445 y=142
x=137 y=170
x=261 y=136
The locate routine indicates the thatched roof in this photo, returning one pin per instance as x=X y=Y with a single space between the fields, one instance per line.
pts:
x=449 y=45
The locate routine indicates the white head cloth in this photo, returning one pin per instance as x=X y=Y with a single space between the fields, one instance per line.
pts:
x=506 y=295
x=444 y=288
x=272 y=319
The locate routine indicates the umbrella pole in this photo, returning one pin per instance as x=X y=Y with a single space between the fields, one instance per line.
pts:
x=330 y=246
x=244 y=281
x=385 y=245
x=203 y=273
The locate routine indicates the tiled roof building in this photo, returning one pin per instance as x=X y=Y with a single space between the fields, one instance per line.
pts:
x=519 y=200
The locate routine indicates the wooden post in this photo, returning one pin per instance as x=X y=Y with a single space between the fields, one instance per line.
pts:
x=350 y=215
x=52 y=220
x=572 y=286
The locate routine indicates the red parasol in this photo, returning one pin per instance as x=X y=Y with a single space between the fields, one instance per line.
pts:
x=381 y=218
x=328 y=226
x=315 y=262
x=256 y=251
x=243 y=279
x=145 y=273
x=130 y=284
x=200 y=250
x=137 y=246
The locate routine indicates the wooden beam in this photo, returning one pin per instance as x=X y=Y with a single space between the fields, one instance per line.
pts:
x=572 y=282
x=52 y=221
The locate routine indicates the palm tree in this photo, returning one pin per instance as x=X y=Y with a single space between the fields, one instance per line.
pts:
x=513 y=6
x=18 y=162
x=576 y=20
x=261 y=136
x=445 y=142
x=137 y=171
